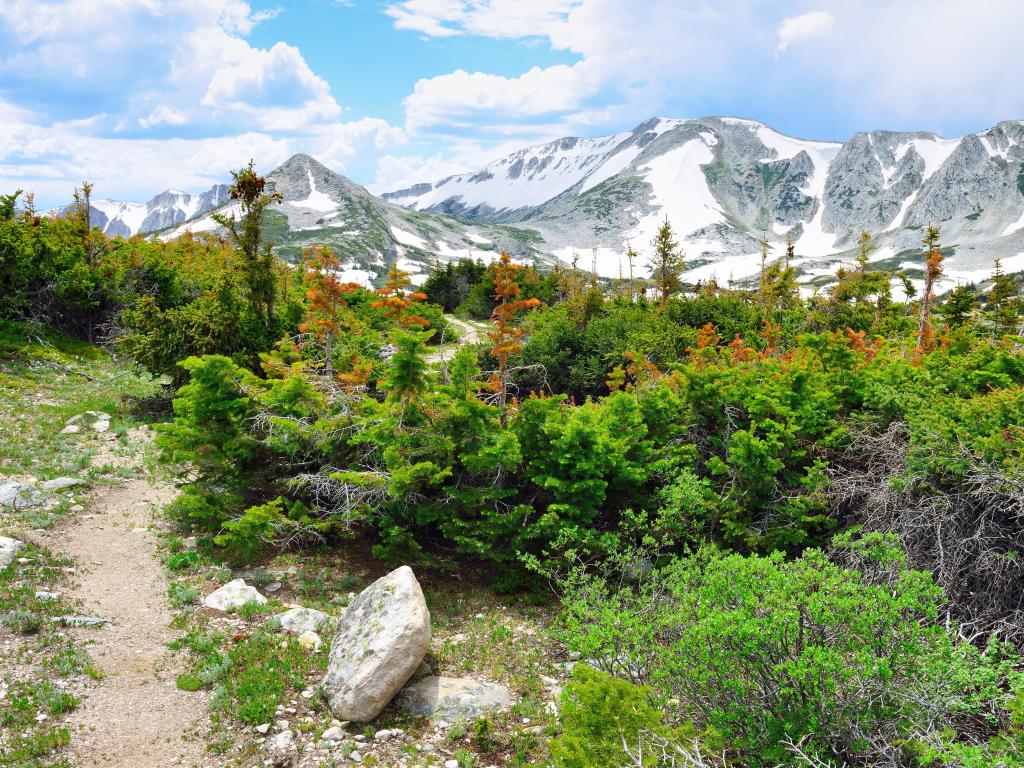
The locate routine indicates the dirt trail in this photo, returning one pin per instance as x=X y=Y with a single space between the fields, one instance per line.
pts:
x=134 y=716
x=470 y=335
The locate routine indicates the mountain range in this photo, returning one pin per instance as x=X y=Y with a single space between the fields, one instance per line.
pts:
x=724 y=183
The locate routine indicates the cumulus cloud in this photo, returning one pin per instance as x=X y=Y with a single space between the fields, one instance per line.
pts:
x=805 y=27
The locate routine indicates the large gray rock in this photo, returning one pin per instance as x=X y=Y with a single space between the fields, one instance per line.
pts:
x=378 y=644
x=453 y=698
x=15 y=495
x=9 y=549
x=300 y=620
x=233 y=596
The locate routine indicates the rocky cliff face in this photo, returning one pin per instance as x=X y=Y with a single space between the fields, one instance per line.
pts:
x=168 y=209
x=725 y=182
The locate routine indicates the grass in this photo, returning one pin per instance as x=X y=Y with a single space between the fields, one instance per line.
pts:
x=46 y=379
x=35 y=703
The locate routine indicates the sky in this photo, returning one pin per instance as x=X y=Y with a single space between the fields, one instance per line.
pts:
x=138 y=96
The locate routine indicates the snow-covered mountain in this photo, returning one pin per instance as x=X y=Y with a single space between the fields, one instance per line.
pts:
x=321 y=207
x=168 y=209
x=726 y=182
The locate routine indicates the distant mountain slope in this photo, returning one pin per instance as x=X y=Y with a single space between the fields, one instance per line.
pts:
x=168 y=209
x=325 y=208
x=725 y=182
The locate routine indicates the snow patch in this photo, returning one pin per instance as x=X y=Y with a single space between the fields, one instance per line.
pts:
x=317 y=201
x=1018 y=224
x=680 y=191
x=934 y=152
x=408 y=238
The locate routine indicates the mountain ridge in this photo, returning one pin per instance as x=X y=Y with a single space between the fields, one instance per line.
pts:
x=723 y=182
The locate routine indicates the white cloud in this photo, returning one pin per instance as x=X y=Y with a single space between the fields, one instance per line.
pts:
x=805 y=27
x=160 y=63
x=166 y=115
x=275 y=87
x=490 y=18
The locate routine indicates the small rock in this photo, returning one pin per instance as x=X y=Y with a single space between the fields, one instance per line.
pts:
x=80 y=621
x=272 y=587
x=264 y=728
x=356 y=757
x=71 y=429
x=310 y=641
x=59 y=483
x=9 y=549
x=451 y=764
x=299 y=620
x=333 y=735
x=233 y=595
x=282 y=749
x=453 y=698
x=44 y=595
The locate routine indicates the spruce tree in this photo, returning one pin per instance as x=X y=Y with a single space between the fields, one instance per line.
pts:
x=1001 y=301
x=932 y=271
x=667 y=265
x=247 y=235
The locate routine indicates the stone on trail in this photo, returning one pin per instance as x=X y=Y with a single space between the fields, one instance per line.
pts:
x=233 y=596
x=15 y=495
x=299 y=620
x=9 y=549
x=379 y=642
x=80 y=621
x=453 y=698
x=59 y=483
x=282 y=749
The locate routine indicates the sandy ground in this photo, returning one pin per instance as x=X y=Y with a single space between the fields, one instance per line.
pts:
x=134 y=716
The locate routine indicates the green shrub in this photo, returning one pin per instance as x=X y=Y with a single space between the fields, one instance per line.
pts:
x=760 y=650
x=597 y=713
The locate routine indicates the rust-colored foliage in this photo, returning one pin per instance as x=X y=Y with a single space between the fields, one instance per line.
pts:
x=506 y=334
x=398 y=302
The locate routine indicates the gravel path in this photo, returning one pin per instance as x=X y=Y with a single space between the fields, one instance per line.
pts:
x=134 y=716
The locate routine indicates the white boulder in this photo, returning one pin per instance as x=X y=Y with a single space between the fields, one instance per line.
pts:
x=233 y=596
x=379 y=642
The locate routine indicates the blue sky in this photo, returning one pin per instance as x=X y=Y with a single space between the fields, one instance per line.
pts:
x=141 y=95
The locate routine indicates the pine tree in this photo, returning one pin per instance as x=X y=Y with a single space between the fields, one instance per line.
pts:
x=506 y=334
x=247 y=235
x=397 y=302
x=932 y=271
x=1001 y=301
x=668 y=263
x=959 y=305
x=326 y=305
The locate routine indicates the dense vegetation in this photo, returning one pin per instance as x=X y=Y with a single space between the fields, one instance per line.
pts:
x=788 y=528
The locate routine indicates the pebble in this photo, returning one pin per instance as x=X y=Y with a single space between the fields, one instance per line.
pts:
x=264 y=728
x=451 y=764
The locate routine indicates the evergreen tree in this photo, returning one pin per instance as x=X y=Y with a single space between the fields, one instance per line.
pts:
x=1001 y=302
x=325 y=294
x=932 y=271
x=247 y=235
x=506 y=334
x=667 y=266
x=959 y=305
